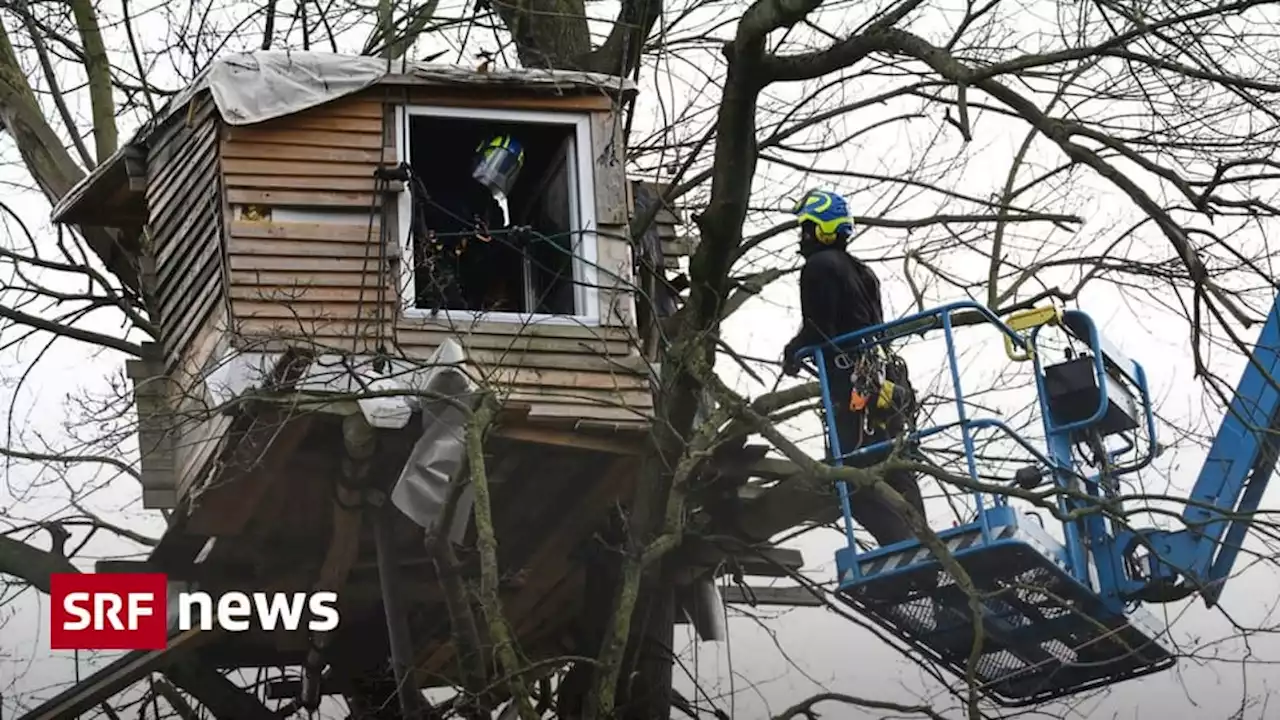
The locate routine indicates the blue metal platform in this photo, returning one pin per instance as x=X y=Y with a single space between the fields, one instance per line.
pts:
x=1062 y=611
x=1045 y=634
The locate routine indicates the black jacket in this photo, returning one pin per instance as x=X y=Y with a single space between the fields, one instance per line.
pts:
x=839 y=294
x=452 y=213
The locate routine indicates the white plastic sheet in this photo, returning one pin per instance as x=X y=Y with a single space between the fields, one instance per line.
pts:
x=257 y=86
x=439 y=455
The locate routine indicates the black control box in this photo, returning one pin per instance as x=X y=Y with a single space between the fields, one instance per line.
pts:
x=1073 y=395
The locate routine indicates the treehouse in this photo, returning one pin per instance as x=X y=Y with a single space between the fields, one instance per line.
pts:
x=266 y=233
x=302 y=411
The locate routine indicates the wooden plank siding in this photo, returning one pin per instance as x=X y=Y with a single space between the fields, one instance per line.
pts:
x=674 y=232
x=184 y=202
x=183 y=278
x=304 y=227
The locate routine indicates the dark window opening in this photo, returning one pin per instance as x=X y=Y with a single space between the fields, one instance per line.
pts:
x=523 y=263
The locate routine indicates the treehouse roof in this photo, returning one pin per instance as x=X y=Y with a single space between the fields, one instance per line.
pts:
x=254 y=87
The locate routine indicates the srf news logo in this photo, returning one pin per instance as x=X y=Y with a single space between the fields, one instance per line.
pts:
x=130 y=611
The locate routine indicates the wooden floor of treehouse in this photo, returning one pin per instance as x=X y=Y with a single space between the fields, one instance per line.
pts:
x=273 y=525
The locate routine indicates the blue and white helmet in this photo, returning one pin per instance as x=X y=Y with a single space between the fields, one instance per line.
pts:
x=498 y=163
x=828 y=212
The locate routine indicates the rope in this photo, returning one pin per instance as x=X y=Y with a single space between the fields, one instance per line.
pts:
x=512 y=237
x=382 y=179
x=518 y=238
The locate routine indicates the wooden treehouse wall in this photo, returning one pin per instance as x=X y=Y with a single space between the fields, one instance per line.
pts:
x=266 y=236
x=182 y=272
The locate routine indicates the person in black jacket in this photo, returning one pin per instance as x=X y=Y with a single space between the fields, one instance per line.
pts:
x=839 y=294
x=454 y=227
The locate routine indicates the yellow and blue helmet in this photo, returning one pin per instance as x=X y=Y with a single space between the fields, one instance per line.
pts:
x=829 y=214
x=498 y=162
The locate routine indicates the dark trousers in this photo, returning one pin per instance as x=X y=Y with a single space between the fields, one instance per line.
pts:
x=884 y=524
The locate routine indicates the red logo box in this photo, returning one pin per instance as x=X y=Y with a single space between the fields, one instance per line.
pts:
x=108 y=611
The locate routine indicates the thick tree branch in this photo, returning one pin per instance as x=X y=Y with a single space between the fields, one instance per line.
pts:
x=68 y=331
x=31 y=564
x=98 y=67
x=487 y=544
x=51 y=77
x=621 y=52
x=46 y=157
x=547 y=33
x=783 y=68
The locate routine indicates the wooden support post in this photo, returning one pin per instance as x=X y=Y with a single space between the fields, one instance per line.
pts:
x=412 y=704
x=645 y=685
x=217 y=693
x=360 y=443
x=155 y=428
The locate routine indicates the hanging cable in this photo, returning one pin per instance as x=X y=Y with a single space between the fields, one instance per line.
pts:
x=383 y=177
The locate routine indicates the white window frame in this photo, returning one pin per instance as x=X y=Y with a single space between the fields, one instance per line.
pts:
x=582 y=209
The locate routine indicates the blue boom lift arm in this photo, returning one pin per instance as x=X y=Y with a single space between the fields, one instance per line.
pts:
x=1199 y=558
x=1061 y=615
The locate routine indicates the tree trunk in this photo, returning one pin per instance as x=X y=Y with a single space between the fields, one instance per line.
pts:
x=644 y=689
x=644 y=686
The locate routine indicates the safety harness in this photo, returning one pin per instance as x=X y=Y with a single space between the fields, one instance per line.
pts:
x=881 y=388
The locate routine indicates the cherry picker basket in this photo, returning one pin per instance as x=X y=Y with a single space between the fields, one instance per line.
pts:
x=1048 y=614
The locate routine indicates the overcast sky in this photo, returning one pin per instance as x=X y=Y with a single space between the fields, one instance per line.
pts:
x=776 y=658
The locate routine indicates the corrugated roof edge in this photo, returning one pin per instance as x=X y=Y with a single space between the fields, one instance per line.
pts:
x=258 y=86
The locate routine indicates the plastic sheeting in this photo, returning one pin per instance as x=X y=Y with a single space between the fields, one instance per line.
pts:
x=704 y=607
x=254 y=87
x=439 y=455
x=257 y=86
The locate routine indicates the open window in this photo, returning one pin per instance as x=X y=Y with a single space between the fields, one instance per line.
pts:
x=514 y=256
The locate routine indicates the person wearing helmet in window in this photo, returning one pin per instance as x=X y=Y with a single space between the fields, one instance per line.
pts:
x=840 y=294
x=459 y=222
x=496 y=166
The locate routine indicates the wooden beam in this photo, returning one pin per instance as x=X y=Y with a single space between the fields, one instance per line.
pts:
x=773 y=469
x=117 y=676
x=700 y=555
x=764 y=596
x=783 y=596
x=499 y=97
x=792 y=501
x=564 y=438
x=221 y=696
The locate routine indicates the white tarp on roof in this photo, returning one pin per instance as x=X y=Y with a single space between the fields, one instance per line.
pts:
x=256 y=86
x=253 y=87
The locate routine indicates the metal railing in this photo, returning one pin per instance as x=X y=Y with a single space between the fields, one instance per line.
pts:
x=1057 y=459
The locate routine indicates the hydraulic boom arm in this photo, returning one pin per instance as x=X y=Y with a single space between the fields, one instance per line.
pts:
x=1229 y=488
